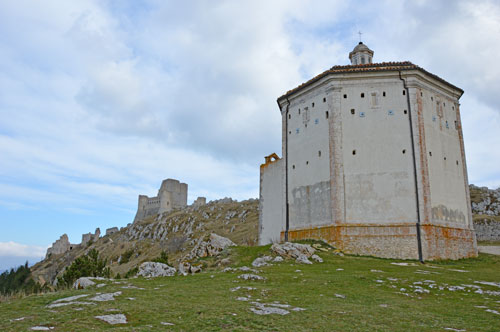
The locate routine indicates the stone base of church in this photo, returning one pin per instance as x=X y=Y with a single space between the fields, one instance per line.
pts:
x=393 y=241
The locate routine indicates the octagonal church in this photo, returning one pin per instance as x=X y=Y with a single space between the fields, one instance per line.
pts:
x=372 y=162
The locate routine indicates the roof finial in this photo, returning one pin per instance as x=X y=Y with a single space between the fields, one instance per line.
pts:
x=360 y=33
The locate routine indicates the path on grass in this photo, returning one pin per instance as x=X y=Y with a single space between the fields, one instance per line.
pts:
x=494 y=250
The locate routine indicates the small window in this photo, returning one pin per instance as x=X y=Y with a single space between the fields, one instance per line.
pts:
x=405 y=112
x=456 y=125
x=297 y=130
x=307 y=162
x=383 y=94
x=363 y=60
x=324 y=100
x=404 y=92
x=345 y=96
x=353 y=152
x=453 y=107
x=444 y=104
x=404 y=151
x=421 y=94
x=319 y=153
x=312 y=105
x=326 y=114
x=299 y=111
x=353 y=111
x=290 y=132
x=457 y=162
x=432 y=98
x=444 y=158
x=430 y=153
x=362 y=95
x=293 y=166
x=289 y=116
x=316 y=121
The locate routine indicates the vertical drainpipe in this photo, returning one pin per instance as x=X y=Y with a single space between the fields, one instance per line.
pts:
x=419 y=239
x=287 y=220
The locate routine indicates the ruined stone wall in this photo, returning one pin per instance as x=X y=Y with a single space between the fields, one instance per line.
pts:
x=59 y=246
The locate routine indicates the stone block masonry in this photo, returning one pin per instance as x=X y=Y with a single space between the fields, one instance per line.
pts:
x=172 y=194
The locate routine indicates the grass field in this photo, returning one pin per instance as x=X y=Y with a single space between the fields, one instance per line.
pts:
x=347 y=293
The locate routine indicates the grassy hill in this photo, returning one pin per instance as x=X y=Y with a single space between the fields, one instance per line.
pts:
x=347 y=293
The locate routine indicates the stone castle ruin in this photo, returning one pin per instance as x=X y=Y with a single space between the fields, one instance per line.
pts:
x=172 y=194
x=373 y=162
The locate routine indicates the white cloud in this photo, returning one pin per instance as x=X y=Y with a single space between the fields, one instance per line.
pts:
x=21 y=250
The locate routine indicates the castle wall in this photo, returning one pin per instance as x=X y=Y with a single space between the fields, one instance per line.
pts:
x=271 y=202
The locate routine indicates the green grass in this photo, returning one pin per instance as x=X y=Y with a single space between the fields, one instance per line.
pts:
x=204 y=302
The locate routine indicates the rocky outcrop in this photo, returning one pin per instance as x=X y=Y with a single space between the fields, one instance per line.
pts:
x=209 y=247
x=153 y=269
x=82 y=283
x=59 y=247
x=485 y=201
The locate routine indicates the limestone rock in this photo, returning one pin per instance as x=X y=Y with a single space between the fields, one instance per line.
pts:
x=113 y=319
x=316 y=258
x=261 y=261
x=248 y=276
x=293 y=250
x=212 y=247
x=302 y=259
x=278 y=259
x=42 y=328
x=106 y=297
x=153 y=269
x=83 y=282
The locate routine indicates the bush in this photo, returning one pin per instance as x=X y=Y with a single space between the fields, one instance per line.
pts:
x=118 y=276
x=132 y=272
x=126 y=256
x=163 y=258
x=90 y=265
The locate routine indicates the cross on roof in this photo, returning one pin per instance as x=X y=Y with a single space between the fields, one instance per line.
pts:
x=360 y=33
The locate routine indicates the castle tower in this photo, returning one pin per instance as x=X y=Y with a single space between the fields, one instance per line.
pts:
x=373 y=163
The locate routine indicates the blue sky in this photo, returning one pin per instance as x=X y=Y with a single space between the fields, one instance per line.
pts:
x=101 y=100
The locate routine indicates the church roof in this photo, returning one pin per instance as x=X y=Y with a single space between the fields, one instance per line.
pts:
x=370 y=67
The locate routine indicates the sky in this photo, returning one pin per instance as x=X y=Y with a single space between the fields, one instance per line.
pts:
x=101 y=100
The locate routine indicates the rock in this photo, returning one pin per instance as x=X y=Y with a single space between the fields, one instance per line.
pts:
x=195 y=269
x=106 y=297
x=83 y=282
x=292 y=250
x=153 y=269
x=63 y=304
x=268 y=309
x=113 y=319
x=261 y=261
x=247 y=269
x=302 y=259
x=225 y=261
x=42 y=328
x=71 y=298
x=183 y=268
x=212 y=247
x=278 y=259
x=248 y=276
x=316 y=258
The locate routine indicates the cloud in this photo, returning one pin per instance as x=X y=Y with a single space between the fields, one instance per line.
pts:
x=21 y=250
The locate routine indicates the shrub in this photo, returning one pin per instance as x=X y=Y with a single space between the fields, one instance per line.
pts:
x=132 y=272
x=90 y=265
x=126 y=256
x=163 y=258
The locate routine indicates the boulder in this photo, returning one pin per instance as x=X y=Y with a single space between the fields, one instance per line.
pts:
x=261 y=261
x=153 y=269
x=317 y=258
x=212 y=247
x=278 y=259
x=113 y=319
x=293 y=250
x=249 y=276
x=83 y=282
x=302 y=259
